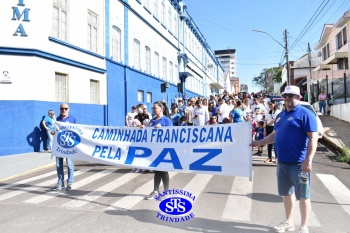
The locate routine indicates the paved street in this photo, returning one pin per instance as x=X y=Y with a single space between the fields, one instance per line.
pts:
x=108 y=199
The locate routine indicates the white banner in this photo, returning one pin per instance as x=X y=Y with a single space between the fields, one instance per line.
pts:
x=212 y=149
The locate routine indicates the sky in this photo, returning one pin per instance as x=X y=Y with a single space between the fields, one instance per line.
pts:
x=229 y=24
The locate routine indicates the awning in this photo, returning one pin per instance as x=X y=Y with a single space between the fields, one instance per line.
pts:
x=333 y=59
x=322 y=67
x=217 y=85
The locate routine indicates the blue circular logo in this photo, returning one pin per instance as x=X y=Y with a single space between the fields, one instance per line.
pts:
x=68 y=139
x=175 y=206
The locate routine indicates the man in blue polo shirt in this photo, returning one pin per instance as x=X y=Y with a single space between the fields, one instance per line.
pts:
x=295 y=138
x=64 y=117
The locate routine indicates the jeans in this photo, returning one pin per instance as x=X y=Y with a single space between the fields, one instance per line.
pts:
x=288 y=179
x=269 y=130
x=49 y=139
x=60 y=173
x=322 y=105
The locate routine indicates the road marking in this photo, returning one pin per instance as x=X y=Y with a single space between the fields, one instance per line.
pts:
x=338 y=190
x=51 y=194
x=198 y=184
x=240 y=198
x=81 y=201
x=128 y=202
x=28 y=180
x=32 y=188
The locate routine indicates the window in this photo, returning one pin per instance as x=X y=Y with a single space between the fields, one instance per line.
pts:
x=61 y=87
x=175 y=25
x=343 y=65
x=341 y=38
x=170 y=18
x=162 y=12
x=147 y=4
x=92 y=31
x=155 y=13
x=60 y=19
x=149 y=97
x=325 y=52
x=94 y=92
x=156 y=64
x=136 y=54
x=140 y=96
x=116 y=40
x=147 y=60
x=164 y=68
x=176 y=76
x=171 y=72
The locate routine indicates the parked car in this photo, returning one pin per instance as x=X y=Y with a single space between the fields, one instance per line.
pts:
x=308 y=106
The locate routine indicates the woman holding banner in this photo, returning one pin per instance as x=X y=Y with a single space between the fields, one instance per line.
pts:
x=161 y=112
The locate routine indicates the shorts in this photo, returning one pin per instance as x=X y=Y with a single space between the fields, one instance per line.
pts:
x=288 y=179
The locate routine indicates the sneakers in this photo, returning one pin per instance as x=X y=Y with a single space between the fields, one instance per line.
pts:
x=284 y=226
x=258 y=153
x=303 y=230
x=152 y=195
x=69 y=187
x=136 y=170
x=58 y=187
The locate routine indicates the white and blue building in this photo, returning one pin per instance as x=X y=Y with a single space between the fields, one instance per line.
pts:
x=100 y=56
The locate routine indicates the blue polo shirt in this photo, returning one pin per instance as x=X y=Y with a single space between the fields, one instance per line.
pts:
x=291 y=133
x=70 y=119
x=163 y=121
x=237 y=115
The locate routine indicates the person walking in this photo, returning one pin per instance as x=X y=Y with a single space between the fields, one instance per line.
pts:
x=130 y=116
x=64 y=117
x=237 y=114
x=270 y=118
x=295 y=137
x=161 y=119
x=48 y=123
x=200 y=114
x=322 y=97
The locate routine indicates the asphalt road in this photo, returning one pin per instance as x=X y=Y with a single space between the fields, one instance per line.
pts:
x=109 y=199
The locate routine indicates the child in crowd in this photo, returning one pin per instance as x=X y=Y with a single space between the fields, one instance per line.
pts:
x=226 y=120
x=212 y=120
x=259 y=136
x=182 y=121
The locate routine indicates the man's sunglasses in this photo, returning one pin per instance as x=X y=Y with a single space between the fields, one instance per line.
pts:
x=289 y=95
x=64 y=109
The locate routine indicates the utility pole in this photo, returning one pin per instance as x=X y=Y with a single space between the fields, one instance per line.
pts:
x=308 y=81
x=287 y=58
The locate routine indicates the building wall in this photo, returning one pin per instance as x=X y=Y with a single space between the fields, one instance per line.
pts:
x=32 y=61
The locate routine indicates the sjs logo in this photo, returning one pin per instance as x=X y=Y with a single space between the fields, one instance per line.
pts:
x=68 y=139
x=175 y=206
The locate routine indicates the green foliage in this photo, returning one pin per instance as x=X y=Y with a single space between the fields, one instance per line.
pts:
x=345 y=155
x=275 y=73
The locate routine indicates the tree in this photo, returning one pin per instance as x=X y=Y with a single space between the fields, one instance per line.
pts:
x=267 y=77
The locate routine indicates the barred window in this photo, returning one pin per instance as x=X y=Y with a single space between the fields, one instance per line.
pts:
x=156 y=64
x=61 y=87
x=116 y=43
x=94 y=92
x=147 y=60
x=164 y=76
x=60 y=19
x=136 y=54
x=92 y=31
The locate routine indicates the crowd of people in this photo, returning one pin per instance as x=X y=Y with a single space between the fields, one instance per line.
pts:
x=270 y=124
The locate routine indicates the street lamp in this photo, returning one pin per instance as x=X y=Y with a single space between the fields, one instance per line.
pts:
x=284 y=47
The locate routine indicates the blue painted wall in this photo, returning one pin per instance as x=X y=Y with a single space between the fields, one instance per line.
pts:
x=21 y=129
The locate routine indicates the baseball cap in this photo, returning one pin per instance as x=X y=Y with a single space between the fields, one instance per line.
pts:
x=291 y=90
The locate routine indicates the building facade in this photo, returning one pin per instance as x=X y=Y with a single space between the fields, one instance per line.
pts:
x=228 y=60
x=100 y=56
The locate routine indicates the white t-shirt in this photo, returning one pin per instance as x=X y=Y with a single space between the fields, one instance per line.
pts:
x=257 y=109
x=225 y=112
x=202 y=115
x=189 y=112
x=270 y=118
x=130 y=117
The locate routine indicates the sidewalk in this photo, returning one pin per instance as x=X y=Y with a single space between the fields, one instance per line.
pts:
x=336 y=135
x=336 y=132
x=16 y=165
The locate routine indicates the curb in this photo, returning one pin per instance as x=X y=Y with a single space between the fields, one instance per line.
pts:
x=331 y=144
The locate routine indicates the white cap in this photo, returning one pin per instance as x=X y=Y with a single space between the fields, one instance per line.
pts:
x=144 y=107
x=291 y=90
